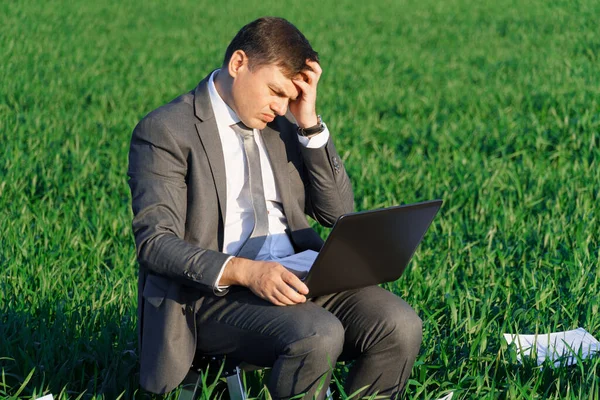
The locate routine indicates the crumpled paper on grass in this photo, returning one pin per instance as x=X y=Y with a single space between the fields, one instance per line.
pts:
x=561 y=347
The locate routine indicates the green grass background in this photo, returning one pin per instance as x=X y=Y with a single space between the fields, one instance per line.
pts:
x=493 y=106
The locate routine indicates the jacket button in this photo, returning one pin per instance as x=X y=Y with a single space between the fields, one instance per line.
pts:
x=196 y=276
x=336 y=164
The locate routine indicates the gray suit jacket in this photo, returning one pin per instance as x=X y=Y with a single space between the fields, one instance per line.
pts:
x=178 y=188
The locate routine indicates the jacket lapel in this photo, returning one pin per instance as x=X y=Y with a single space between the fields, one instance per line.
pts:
x=209 y=136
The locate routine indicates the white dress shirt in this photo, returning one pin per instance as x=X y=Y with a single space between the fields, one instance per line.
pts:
x=239 y=216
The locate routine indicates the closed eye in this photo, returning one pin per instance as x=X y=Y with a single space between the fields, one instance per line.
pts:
x=279 y=93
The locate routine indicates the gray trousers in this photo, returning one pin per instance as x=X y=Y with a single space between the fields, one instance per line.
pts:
x=301 y=343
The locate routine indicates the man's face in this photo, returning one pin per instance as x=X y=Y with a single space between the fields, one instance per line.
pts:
x=261 y=94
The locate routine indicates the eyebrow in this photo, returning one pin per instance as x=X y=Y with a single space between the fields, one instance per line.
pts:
x=280 y=92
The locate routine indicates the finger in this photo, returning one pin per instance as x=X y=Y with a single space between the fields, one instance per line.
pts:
x=291 y=294
x=274 y=299
x=282 y=298
x=315 y=66
x=304 y=87
x=314 y=73
x=265 y=296
x=295 y=282
x=285 y=293
x=311 y=77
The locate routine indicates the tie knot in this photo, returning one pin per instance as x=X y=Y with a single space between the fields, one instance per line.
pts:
x=242 y=129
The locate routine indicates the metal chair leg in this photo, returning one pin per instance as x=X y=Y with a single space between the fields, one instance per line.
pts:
x=235 y=386
x=190 y=389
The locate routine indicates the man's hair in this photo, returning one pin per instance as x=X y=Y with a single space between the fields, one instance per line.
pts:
x=273 y=40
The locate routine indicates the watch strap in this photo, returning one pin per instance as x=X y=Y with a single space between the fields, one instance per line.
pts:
x=313 y=130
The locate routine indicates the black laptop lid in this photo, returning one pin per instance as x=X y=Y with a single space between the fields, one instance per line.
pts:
x=370 y=247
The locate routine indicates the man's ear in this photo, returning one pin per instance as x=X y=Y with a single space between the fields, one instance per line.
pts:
x=238 y=61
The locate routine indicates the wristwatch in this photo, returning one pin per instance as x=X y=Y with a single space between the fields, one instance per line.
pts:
x=313 y=130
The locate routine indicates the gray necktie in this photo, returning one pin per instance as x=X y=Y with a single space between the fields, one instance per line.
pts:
x=254 y=243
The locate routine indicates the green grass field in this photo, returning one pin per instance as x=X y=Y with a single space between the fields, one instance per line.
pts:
x=492 y=106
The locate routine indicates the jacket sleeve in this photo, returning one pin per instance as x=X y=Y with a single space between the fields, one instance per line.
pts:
x=329 y=191
x=157 y=179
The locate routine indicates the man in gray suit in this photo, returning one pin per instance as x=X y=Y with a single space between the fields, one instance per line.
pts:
x=222 y=179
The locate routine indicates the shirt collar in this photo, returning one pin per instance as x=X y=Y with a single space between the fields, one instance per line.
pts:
x=224 y=115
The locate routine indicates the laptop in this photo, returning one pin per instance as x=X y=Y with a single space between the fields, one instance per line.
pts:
x=369 y=247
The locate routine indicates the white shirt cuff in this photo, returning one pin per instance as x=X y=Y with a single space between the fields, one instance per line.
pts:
x=315 y=142
x=221 y=288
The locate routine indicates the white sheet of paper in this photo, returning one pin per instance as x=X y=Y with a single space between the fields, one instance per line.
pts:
x=555 y=345
x=299 y=263
x=447 y=397
x=46 y=397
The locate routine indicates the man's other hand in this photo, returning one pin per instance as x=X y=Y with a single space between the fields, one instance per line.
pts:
x=268 y=280
x=304 y=107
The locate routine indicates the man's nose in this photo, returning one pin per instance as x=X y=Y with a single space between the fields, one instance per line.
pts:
x=280 y=107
